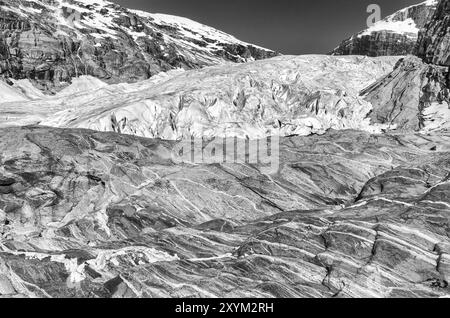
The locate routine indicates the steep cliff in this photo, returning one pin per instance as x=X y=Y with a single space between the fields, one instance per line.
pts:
x=434 y=42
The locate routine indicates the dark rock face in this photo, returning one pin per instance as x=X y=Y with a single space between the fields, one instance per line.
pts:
x=391 y=36
x=382 y=43
x=402 y=97
x=51 y=42
x=101 y=214
x=434 y=42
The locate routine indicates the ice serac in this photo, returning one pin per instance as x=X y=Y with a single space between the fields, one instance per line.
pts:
x=416 y=94
x=287 y=95
x=52 y=41
x=349 y=214
x=395 y=35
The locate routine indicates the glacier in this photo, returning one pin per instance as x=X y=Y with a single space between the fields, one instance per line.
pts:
x=288 y=95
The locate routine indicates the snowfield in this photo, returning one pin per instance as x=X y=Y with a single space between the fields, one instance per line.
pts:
x=400 y=22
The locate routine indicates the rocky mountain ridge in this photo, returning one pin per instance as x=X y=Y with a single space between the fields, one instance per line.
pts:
x=52 y=41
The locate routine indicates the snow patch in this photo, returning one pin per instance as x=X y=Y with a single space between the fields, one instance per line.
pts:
x=407 y=27
x=191 y=29
x=135 y=256
x=82 y=84
x=10 y=94
x=437 y=117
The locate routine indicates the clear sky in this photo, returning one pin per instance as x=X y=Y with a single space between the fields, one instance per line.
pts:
x=288 y=26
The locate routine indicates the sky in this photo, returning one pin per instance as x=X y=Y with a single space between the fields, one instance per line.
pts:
x=287 y=26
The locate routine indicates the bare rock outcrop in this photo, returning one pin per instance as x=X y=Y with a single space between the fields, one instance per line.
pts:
x=404 y=98
x=349 y=214
x=434 y=42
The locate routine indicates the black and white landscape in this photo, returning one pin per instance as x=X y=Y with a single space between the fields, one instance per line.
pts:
x=98 y=198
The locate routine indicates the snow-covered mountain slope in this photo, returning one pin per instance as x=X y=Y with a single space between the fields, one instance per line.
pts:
x=52 y=41
x=397 y=34
x=279 y=96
